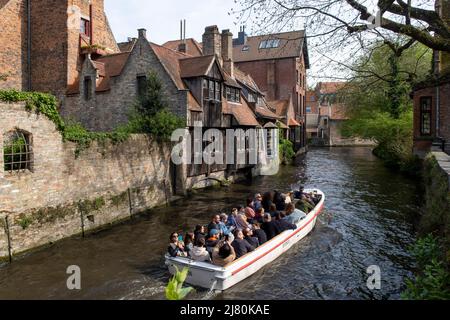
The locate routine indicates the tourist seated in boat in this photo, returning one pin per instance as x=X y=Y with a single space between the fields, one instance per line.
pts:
x=282 y=224
x=267 y=201
x=213 y=240
x=231 y=222
x=189 y=242
x=250 y=238
x=223 y=224
x=199 y=232
x=223 y=253
x=176 y=247
x=289 y=197
x=249 y=211
x=273 y=210
x=270 y=227
x=279 y=201
x=242 y=222
x=257 y=202
x=259 y=215
x=199 y=252
x=240 y=245
x=293 y=215
x=259 y=233
x=214 y=224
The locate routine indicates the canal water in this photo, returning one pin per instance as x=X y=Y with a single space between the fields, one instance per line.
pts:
x=366 y=222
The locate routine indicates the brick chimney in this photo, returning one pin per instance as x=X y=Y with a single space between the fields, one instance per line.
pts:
x=142 y=33
x=227 y=52
x=212 y=43
x=182 y=47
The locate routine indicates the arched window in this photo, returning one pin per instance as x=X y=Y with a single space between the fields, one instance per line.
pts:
x=17 y=151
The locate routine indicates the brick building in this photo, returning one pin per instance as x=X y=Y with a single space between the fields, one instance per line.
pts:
x=45 y=54
x=278 y=64
x=326 y=115
x=432 y=101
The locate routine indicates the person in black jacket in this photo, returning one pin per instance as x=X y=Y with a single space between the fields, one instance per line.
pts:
x=248 y=236
x=240 y=245
x=260 y=234
x=270 y=227
x=282 y=224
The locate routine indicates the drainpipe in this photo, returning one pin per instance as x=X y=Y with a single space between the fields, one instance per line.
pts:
x=91 y=27
x=29 y=45
x=438 y=100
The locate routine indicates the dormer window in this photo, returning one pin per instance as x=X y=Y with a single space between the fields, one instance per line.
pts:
x=212 y=90
x=268 y=44
x=85 y=27
x=233 y=95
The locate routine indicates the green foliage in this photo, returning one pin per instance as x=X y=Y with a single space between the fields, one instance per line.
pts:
x=433 y=280
x=88 y=206
x=174 y=289
x=24 y=221
x=287 y=152
x=379 y=105
x=151 y=114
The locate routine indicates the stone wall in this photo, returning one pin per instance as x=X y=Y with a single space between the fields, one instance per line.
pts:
x=436 y=216
x=66 y=195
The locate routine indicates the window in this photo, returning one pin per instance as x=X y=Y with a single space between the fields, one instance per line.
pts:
x=425 y=116
x=212 y=90
x=325 y=122
x=141 y=86
x=308 y=109
x=85 y=27
x=233 y=94
x=87 y=88
x=269 y=143
x=217 y=91
x=17 y=151
x=268 y=44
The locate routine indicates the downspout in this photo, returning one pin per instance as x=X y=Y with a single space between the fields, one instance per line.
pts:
x=91 y=27
x=29 y=45
x=438 y=100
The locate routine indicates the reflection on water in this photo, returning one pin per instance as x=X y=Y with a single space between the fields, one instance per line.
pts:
x=366 y=222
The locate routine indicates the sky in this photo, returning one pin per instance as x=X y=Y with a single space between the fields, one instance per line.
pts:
x=162 y=18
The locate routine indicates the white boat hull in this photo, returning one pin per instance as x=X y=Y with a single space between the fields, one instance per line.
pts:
x=212 y=277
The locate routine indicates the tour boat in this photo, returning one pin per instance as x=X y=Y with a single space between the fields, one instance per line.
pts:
x=209 y=276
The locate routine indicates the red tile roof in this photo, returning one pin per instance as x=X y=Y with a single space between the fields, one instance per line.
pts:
x=114 y=63
x=291 y=45
x=196 y=66
x=293 y=123
x=193 y=48
x=329 y=87
x=170 y=60
x=243 y=114
x=281 y=107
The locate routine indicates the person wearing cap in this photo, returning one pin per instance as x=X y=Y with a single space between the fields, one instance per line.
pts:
x=213 y=239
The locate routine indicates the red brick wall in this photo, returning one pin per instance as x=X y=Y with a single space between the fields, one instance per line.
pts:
x=422 y=144
x=13 y=44
x=279 y=81
x=49 y=46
